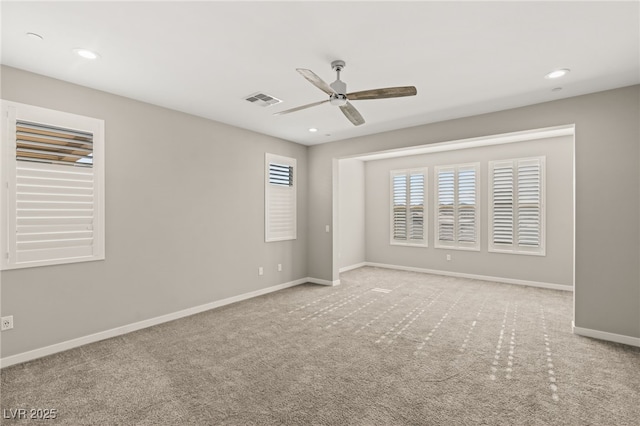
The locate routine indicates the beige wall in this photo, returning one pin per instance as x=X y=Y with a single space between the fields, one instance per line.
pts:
x=184 y=220
x=607 y=174
x=556 y=267
x=351 y=220
x=172 y=180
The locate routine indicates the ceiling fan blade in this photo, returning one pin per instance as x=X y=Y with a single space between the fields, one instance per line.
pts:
x=389 y=92
x=316 y=81
x=300 y=107
x=352 y=114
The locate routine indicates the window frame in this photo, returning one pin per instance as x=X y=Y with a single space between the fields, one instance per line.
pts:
x=407 y=173
x=13 y=112
x=455 y=244
x=514 y=247
x=270 y=187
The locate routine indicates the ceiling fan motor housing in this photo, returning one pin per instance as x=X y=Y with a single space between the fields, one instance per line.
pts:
x=338 y=99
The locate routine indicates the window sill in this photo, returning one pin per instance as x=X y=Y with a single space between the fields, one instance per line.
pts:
x=421 y=245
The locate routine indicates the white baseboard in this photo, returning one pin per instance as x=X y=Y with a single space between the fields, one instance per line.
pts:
x=604 y=335
x=354 y=266
x=473 y=276
x=322 y=282
x=73 y=343
x=102 y=335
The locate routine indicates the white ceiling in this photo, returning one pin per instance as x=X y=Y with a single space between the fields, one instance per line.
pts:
x=203 y=58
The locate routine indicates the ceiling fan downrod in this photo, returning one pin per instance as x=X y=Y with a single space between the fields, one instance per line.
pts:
x=340 y=87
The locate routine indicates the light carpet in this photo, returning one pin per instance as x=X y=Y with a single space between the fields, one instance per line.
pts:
x=384 y=348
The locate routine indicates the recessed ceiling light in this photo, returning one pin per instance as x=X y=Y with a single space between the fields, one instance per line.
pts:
x=313 y=130
x=558 y=73
x=87 y=54
x=34 y=36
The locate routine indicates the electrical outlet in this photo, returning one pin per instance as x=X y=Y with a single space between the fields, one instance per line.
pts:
x=279 y=267
x=6 y=323
x=260 y=271
x=448 y=257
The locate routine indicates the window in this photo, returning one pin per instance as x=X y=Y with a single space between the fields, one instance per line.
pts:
x=408 y=207
x=517 y=206
x=53 y=187
x=280 y=198
x=457 y=212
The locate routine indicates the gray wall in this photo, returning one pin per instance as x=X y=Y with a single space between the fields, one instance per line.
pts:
x=171 y=243
x=184 y=220
x=352 y=212
x=556 y=267
x=607 y=174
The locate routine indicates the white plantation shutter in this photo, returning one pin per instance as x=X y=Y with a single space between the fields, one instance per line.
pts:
x=55 y=212
x=517 y=203
x=54 y=182
x=399 y=226
x=467 y=214
x=446 y=189
x=502 y=185
x=457 y=206
x=280 y=198
x=48 y=144
x=280 y=174
x=416 y=207
x=408 y=207
x=529 y=203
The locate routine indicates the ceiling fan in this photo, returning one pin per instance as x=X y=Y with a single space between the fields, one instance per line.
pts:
x=338 y=96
